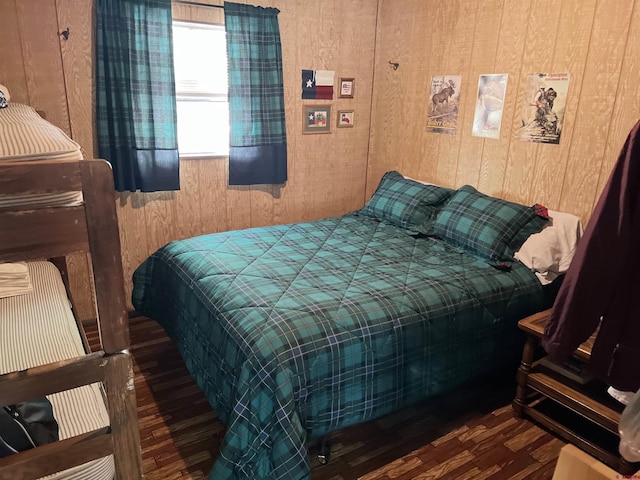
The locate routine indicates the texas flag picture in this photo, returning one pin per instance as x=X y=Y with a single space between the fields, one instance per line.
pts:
x=317 y=84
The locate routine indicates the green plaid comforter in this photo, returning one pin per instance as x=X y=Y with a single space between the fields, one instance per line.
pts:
x=294 y=331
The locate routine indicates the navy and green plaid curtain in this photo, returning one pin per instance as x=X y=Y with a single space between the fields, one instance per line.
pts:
x=258 y=139
x=136 y=104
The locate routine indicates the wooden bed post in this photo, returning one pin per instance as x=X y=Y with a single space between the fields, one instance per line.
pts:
x=121 y=398
x=58 y=230
x=104 y=242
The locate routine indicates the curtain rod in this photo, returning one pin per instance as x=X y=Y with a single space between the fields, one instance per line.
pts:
x=197 y=4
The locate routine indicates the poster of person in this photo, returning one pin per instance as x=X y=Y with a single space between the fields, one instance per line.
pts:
x=487 y=120
x=442 y=111
x=544 y=102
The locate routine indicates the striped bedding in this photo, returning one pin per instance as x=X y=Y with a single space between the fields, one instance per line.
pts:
x=25 y=136
x=37 y=329
x=294 y=331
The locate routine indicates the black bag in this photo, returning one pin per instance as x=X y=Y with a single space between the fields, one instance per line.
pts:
x=27 y=425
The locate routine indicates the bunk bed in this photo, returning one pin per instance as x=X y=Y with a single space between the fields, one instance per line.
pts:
x=53 y=204
x=294 y=331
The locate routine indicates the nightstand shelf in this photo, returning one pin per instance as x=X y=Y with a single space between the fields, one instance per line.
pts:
x=582 y=414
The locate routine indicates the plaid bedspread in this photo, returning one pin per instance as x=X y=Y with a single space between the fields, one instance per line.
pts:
x=297 y=330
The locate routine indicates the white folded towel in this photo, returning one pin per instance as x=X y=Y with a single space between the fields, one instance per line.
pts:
x=15 y=268
x=14 y=279
x=14 y=291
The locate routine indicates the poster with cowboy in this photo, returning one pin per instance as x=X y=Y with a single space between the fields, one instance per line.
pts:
x=544 y=102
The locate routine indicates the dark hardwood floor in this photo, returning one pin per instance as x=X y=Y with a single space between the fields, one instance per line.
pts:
x=468 y=434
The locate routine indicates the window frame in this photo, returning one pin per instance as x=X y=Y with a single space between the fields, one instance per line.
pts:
x=201 y=96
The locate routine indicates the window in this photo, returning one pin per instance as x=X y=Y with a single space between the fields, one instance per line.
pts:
x=200 y=63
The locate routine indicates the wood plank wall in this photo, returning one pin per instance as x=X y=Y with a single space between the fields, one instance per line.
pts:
x=326 y=172
x=54 y=76
x=596 y=41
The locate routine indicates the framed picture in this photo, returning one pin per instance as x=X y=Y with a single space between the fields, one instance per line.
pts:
x=316 y=119
x=346 y=87
x=345 y=118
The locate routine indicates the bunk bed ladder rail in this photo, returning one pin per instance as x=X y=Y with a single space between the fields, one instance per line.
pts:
x=57 y=231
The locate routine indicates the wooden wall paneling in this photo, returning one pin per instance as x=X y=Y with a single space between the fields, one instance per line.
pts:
x=12 y=74
x=77 y=54
x=264 y=201
x=160 y=218
x=181 y=12
x=133 y=236
x=308 y=171
x=589 y=40
x=410 y=102
x=188 y=201
x=572 y=46
x=542 y=31
x=387 y=85
x=460 y=22
x=354 y=56
x=42 y=60
x=511 y=42
x=292 y=59
x=442 y=19
x=570 y=54
x=626 y=111
x=222 y=207
x=483 y=53
x=298 y=194
x=597 y=99
x=238 y=207
x=207 y=14
x=417 y=159
x=404 y=90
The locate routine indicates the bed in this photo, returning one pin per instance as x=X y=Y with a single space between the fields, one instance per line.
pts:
x=53 y=204
x=295 y=331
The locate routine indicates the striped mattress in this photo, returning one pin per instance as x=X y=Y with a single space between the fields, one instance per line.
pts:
x=25 y=136
x=37 y=329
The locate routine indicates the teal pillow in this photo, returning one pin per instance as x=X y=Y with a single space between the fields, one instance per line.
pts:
x=487 y=226
x=406 y=203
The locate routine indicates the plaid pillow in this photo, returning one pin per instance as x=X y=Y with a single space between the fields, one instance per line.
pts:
x=487 y=226
x=406 y=203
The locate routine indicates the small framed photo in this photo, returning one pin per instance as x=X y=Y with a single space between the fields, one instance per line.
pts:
x=345 y=118
x=317 y=119
x=346 y=87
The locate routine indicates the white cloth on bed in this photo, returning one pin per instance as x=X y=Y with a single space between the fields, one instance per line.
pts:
x=14 y=279
x=549 y=252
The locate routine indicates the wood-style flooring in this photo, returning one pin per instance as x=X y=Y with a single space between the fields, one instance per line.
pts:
x=468 y=434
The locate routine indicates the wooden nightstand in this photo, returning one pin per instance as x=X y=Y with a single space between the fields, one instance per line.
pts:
x=582 y=414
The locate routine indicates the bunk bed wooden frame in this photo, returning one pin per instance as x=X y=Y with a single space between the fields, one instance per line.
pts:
x=28 y=233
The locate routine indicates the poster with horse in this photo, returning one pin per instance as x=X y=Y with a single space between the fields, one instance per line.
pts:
x=442 y=111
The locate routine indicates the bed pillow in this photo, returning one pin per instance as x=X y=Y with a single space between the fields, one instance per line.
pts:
x=549 y=252
x=406 y=203
x=487 y=226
